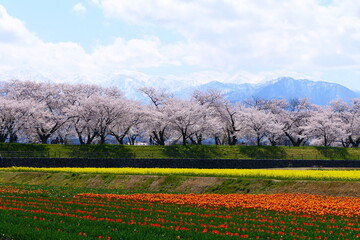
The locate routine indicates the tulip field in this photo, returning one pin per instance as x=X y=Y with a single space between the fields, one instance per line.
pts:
x=34 y=212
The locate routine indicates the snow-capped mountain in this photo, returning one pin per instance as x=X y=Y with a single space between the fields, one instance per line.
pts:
x=127 y=81
x=231 y=90
x=232 y=86
x=318 y=92
x=27 y=74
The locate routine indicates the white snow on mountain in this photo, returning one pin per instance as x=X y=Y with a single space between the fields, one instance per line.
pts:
x=236 y=87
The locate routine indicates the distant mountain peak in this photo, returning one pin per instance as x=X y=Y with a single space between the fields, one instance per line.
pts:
x=318 y=92
x=232 y=86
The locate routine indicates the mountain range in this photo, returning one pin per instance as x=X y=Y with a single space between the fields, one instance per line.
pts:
x=318 y=92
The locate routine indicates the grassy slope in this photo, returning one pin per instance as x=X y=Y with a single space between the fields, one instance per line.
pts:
x=183 y=184
x=178 y=151
x=179 y=184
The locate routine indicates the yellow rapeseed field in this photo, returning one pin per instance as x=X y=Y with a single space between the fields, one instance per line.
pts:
x=343 y=175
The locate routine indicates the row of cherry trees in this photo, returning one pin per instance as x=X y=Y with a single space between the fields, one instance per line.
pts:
x=43 y=112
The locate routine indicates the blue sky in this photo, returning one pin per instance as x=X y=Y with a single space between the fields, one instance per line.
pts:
x=57 y=21
x=192 y=40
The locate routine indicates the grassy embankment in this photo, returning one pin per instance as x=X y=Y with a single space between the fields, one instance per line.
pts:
x=177 y=151
x=181 y=183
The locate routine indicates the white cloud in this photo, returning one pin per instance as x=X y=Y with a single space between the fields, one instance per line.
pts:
x=293 y=34
x=79 y=8
x=95 y=2
x=13 y=31
x=132 y=54
x=21 y=49
x=221 y=35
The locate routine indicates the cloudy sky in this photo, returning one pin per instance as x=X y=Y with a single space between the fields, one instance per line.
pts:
x=227 y=40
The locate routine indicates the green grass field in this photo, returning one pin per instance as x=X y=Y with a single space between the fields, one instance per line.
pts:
x=280 y=174
x=39 y=212
x=177 y=151
x=48 y=204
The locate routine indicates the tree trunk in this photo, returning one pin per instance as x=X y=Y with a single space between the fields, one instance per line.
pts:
x=102 y=139
x=90 y=138
x=44 y=138
x=79 y=134
x=13 y=138
x=354 y=143
x=232 y=139
x=295 y=142
x=132 y=139
x=81 y=140
x=217 y=140
x=45 y=135
x=258 y=140
x=273 y=143
x=158 y=137
x=344 y=143
x=184 y=137
x=326 y=143
x=197 y=140
x=3 y=137
x=119 y=138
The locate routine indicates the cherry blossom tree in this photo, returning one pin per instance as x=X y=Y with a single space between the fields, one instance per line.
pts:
x=51 y=115
x=131 y=118
x=40 y=112
x=350 y=118
x=14 y=118
x=256 y=123
x=80 y=122
x=209 y=101
x=258 y=103
x=354 y=123
x=156 y=116
x=230 y=118
x=83 y=120
x=94 y=116
x=276 y=124
x=136 y=131
x=324 y=127
x=188 y=118
x=294 y=117
x=224 y=118
x=341 y=110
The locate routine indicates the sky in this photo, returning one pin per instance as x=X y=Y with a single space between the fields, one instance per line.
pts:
x=196 y=41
